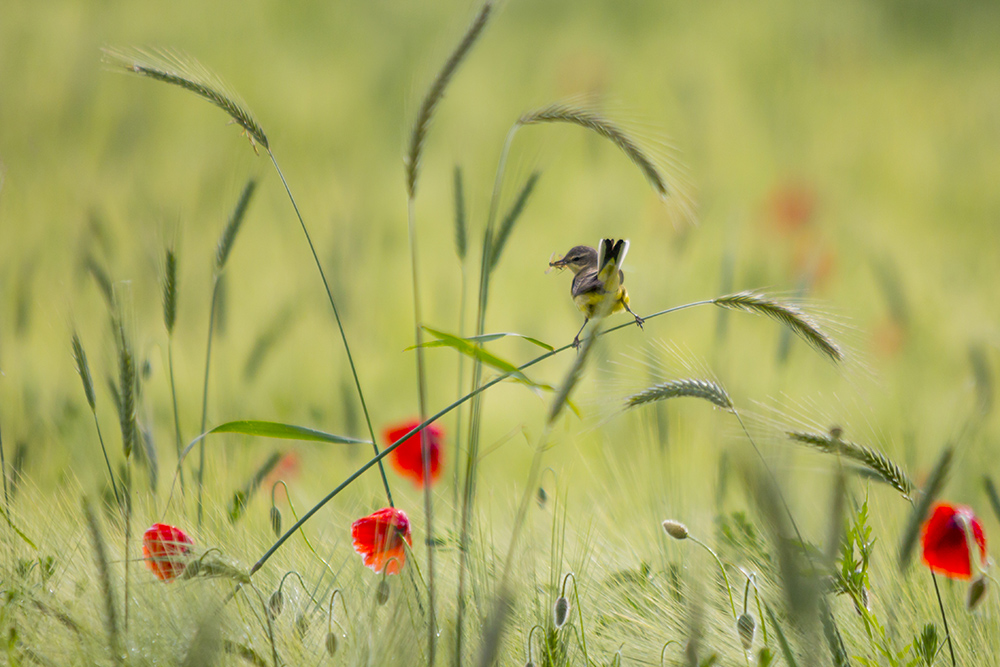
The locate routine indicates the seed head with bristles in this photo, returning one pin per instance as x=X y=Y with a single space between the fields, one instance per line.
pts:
x=170 y=291
x=592 y=120
x=786 y=313
x=436 y=93
x=705 y=389
x=228 y=237
x=189 y=74
x=84 y=370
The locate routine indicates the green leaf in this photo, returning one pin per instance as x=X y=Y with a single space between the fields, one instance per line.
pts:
x=472 y=350
x=18 y=531
x=485 y=338
x=266 y=429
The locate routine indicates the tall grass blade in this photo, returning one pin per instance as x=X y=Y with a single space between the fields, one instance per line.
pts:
x=243 y=497
x=102 y=279
x=594 y=121
x=225 y=245
x=786 y=649
x=83 y=368
x=104 y=577
x=509 y=220
x=486 y=338
x=461 y=231
x=929 y=492
x=992 y=495
x=436 y=93
x=187 y=73
x=787 y=314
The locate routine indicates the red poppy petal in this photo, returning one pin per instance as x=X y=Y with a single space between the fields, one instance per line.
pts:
x=379 y=539
x=945 y=546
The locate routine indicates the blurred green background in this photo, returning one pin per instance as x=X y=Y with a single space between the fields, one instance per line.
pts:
x=845 y=151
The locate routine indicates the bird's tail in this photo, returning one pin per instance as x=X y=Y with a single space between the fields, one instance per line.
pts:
x=610 y=256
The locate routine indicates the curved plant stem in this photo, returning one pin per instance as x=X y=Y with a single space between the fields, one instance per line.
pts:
x=389 y=449
x=340 y=326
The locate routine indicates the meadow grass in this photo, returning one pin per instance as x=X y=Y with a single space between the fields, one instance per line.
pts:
x=590 y=514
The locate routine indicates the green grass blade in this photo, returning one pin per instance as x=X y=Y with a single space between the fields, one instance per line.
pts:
x=470 y=349
x=486 y=338
x=266 y=429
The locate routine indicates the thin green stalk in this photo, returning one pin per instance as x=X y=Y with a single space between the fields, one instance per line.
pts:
x=390 y=448
x=425 y=449
x=944 y=618
x=107 y=462
x=475 y=410
x=173 y=398
x=722 y=568
x=3 y=470
x=204 y=398
x=340 y=326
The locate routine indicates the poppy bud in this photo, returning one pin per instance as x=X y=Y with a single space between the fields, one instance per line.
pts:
x=745 y=625
x=331 y=643
x=275 y=604
x=977 y=591
x=560 y=612
x=276 y=521
x=302 y=625
x=382 y=592
x=675 y=529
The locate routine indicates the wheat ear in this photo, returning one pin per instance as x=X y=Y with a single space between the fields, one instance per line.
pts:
x=786 y=313
x=870 y=458
x=436 y=93
x=189 y=74
x=591 y=120
x=704 y=389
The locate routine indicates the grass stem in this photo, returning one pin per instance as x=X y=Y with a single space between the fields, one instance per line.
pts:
x=340 y=326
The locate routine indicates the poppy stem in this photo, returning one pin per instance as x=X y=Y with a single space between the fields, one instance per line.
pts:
x=944 y=618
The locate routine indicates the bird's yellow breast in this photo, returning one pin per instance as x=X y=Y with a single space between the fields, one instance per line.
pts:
x=589 y=302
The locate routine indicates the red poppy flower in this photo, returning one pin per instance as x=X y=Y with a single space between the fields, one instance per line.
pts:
x=166 y=549
x=379 y=538
x=946 y=547
x=407 y=459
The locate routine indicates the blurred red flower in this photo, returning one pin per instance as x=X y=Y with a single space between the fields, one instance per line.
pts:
x=406 y=458
x=946 y=547
x=166 y=549
x=379 y=537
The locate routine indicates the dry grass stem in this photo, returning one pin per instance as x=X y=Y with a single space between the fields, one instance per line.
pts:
x=788 y=314
x=591 y=120
x=436 y=93
x=189 y=74
x=706 y=389
x=872 y=459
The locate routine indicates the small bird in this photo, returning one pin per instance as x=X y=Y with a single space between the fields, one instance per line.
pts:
x=597 y=276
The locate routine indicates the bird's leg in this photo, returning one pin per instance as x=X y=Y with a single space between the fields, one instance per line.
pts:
x=576 y=341
x=638 y=320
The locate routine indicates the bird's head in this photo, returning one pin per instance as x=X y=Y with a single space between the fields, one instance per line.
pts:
x=577 y=259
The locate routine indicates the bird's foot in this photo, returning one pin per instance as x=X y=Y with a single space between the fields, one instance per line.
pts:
x=576 y=343
x=638 y=320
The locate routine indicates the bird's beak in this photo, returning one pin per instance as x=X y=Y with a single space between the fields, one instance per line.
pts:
x=555 y=264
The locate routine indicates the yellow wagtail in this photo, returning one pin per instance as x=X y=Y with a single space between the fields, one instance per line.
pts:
x=597 y=276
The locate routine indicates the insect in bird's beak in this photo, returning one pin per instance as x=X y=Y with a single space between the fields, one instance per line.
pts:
x=555 y=264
